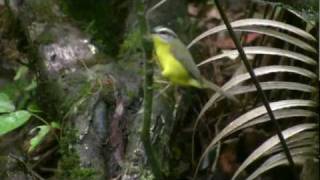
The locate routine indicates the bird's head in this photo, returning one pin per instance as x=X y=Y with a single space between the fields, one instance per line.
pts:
x=164 y=34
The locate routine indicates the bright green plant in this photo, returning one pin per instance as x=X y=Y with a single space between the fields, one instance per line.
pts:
x=9 y=118
x=44 y=130
x=16 y=111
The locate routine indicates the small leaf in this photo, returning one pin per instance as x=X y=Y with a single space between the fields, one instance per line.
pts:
x=31 y=86
x=34 y=108
x=36 y=140
x=9 y=122
x=55 y=125
x=42 y=132
x=6 y=105
x=22 y=71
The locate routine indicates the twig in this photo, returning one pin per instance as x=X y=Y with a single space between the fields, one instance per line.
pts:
x=149 y=11
x=29 y=169
x=257 y=84
x=216 y=159
x=44 y=156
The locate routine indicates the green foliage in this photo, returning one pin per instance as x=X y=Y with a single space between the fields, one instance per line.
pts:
x=43 y=131
x=147 y=175
x=10 y=119
x=20 y=92
x=131 y=43
x=22 y=71
x=81 y=91
x=6 y=105
x=69 y=165
x=21 y=89
x=13 y=120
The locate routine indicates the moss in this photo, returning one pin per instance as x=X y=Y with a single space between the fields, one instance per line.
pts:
x=131 y=43
x=147 y=175
x=69 y=164
x=42 y=10
x=46 y=38
x=74 y=101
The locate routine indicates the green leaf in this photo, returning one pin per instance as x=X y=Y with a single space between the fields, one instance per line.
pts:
x=34 y=108
x=11 y=121
x=55 y=125
x=35 y=141
x=22 y=71
x=6 y=105
x=31 y=86
x=43 y=131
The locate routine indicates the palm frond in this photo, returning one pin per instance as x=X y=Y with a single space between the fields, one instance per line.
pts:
x=255 y=22
x=259 y=72
x=264 y=51
x=299 y=137
x=271 y=143
x=299 y=157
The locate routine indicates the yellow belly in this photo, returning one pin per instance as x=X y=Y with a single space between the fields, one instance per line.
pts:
x=172 y=69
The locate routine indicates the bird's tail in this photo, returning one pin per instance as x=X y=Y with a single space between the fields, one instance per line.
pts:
x=214 y=87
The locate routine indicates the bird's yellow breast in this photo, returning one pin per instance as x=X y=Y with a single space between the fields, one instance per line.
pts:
x=172 y=69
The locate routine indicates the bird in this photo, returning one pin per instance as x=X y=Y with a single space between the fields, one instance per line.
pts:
x=176 y=62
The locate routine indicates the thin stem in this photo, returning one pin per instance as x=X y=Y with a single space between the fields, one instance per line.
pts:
x=147 y=48
x=149 y=11
x=147 y=116
x=257 y=84
x=27 y=167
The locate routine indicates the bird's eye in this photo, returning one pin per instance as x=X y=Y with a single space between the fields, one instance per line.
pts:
x=163 y=33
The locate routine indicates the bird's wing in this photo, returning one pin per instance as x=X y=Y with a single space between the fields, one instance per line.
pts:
x=181 y=53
